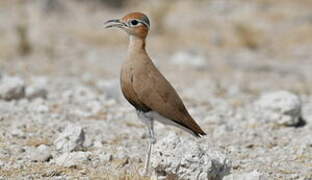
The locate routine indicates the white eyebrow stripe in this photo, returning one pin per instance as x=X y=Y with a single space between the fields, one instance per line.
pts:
x=144 y=23
x=139 y=21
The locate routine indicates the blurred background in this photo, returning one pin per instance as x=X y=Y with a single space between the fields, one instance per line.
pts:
x=61 y=66
x=54 y=37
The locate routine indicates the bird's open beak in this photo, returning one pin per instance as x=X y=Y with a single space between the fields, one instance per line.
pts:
x=114 y=23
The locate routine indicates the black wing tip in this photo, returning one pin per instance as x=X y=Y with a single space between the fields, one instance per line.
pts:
x=200 y=134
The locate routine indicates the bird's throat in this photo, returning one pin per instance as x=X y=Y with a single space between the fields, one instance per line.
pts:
x=136 y=44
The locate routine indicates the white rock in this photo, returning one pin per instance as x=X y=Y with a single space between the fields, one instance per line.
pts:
x=73 y=159
x=106 y=157
x=71 y=139
x=11 y=88
x=37 y=105
x=42 y=109
x=33 y=92
x=279 y=107
x=37 y=88
x=2 y=165
x=41 y=154
x=4 y=153
x=174 y=157
x=189 y=58
x=307 y=111
x=254 y=175
x=98 y=144
x=17 y=132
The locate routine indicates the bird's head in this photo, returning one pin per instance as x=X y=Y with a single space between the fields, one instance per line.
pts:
x=135 y=24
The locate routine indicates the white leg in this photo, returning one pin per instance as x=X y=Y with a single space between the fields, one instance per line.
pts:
x=152 y=140
x=147 y=159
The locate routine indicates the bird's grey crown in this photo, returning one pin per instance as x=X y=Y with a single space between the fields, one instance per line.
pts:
x=146 y=20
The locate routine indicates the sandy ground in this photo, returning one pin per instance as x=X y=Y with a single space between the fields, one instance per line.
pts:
x=68 y=66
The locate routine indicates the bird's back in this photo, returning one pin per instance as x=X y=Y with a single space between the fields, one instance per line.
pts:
x=148 y=90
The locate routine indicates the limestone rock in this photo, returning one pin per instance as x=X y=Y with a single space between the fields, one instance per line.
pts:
x=11 y=88
x=187 y=159
x=40 y=154
x=279 y=107
x=71 y=139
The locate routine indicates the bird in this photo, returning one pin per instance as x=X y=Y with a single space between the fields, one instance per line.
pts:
x=144 y=86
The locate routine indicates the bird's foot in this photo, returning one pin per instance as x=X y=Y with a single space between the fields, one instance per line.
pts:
x=144 y=172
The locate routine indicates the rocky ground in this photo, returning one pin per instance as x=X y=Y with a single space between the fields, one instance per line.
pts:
x=245 y=77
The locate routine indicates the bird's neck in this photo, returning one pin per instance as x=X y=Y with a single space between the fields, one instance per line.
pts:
x=136 y=44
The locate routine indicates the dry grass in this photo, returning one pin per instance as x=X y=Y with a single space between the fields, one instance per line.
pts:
x=24 y=45
x=35 y=142
x=249 y=36
x=6 y=50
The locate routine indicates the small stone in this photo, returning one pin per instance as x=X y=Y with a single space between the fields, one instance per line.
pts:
x=106 y=157
x=88 y=142
x=2 y=164
x=11 y=88
x=307 y=111
x=254 y=175
x=281 y=107
x=33 y=92
x=98 y=144
x=42 y=108
x=174 y=157
x=73 y=159
x=71 y=139
x=16 y=132
x=40 y=154
x=4 y=153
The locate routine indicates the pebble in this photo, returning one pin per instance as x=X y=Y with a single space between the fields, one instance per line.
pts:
x=41 y=154
x=12 y=88
x=71 y=139
x=254 y=175
x=280 y=107
x=33 y=92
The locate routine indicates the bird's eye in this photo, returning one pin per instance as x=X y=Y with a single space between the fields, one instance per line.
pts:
x=134 y=22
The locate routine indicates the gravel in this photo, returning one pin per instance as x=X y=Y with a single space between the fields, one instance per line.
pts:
x=73 y=159
x=254 y=175
x=247 y=81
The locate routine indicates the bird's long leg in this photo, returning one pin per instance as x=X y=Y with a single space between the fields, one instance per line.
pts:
x=152 y=140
